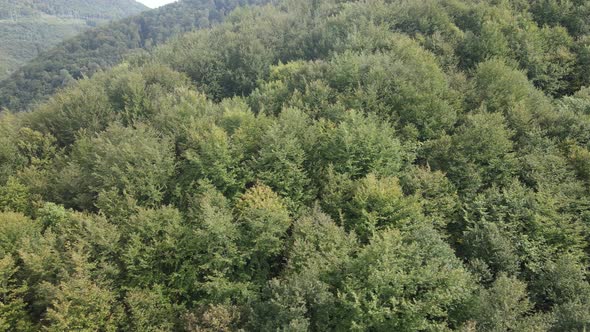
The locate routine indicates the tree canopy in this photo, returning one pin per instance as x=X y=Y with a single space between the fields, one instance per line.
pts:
x=312 y=166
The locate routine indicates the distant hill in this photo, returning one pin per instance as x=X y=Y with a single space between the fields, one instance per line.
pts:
x=105 y=46
x=28 y=27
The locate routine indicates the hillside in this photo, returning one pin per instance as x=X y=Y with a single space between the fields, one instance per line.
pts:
x=101 y=48
x=312 y=166
x=29 y=27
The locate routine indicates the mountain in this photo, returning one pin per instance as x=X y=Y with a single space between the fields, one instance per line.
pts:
x=100 y=48
x=312 y=165
x=29 y=27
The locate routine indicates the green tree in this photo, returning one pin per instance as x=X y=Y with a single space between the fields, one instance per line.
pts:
x=15 y=229
x=150 y=310
x=133 y=161
x=357 y=146
x=13 y=311
x=402 y=281
x=280 y=162
x=506 y=307
x=405 y=84
x=305 y=297
x=215 y=264
x=10 y=159
x=14 y=196
x=376 y=203
x=263 y=221
x=81 y=304
x=479 y=154
x=209 y=155
x=149 y=249
x=563 y=284
x=437 y=195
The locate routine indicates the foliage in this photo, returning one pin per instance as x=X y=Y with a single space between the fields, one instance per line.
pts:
x=310 y=166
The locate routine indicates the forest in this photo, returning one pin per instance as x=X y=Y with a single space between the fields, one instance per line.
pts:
x=307 y=165
x=101 y=48
x=29 y=27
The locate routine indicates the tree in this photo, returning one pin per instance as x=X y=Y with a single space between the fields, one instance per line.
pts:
x=13 y=311
x=563 y=284
x=305 y=296
x=10 y=159
x=15 y=228
x=402 y=281
x=479 y=154
x=150 y=310
x=488 y=43
x=14 y=196
x=280 y=163
x=80 y=304
x=209 y=156
x=149 y=249
x=263 y=221
x=132 y=161
x=506 y=307
x=500 y=88
x=377 y=203
x=214 y=263
x=437 y=195
x=357 y=146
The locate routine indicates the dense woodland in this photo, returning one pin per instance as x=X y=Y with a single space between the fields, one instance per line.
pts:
x=29 y=27
x=101 y=48
x=378 y=165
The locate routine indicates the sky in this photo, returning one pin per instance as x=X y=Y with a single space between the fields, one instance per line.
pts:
x=155 y=3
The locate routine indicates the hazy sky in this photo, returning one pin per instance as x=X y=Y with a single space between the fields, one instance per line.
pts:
x=155 y=3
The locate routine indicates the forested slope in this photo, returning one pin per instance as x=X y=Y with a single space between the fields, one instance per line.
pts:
x=312 y=166
x=28 y=27
x=101 y=48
